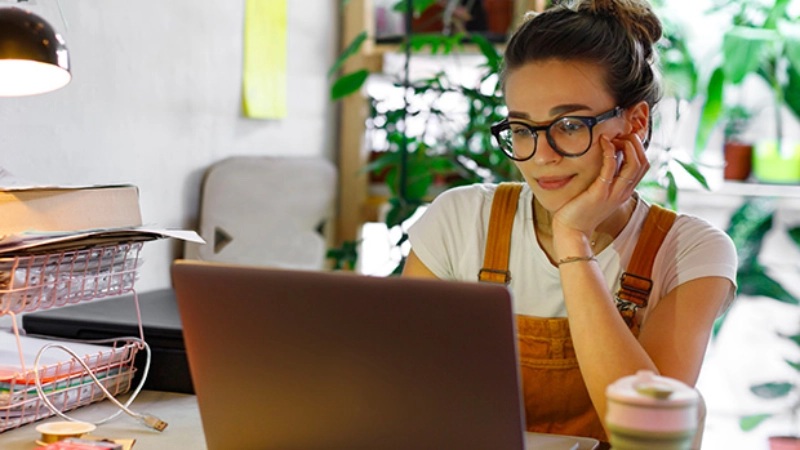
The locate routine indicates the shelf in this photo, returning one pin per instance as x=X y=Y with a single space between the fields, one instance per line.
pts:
x=750 y=189
x=466 y=48
x=397 y=40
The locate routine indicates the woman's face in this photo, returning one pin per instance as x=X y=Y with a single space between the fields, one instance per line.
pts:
x=539 y=93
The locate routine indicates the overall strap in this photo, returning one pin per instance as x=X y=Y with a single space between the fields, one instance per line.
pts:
x=498 y=239
x=636 y=282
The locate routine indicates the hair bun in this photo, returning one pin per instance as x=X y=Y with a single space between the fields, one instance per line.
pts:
x=636 y=16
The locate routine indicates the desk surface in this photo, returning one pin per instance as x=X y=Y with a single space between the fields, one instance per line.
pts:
x=185 y=430
x=179 y=410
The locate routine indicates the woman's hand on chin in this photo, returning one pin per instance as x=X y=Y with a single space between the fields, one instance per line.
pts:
x=609 y=191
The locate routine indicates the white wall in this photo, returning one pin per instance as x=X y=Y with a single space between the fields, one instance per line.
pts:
x=156 y=98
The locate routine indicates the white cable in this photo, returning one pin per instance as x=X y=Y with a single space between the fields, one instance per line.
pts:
x=148 y=419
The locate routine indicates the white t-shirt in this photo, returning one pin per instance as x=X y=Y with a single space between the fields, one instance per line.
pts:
x=451 y=236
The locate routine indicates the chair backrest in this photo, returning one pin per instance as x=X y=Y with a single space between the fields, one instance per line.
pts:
x=266 y=211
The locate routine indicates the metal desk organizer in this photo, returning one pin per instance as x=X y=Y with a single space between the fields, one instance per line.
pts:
x=35 y=282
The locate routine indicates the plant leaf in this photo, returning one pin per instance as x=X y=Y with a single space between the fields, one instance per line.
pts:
x=345 y=257
x=351 y=50
x=419 y=41
x=400 y=211
x=493 y=59
x=747 y=423
x=678 y=67
x=419 y=6
x=795 y=365
x=419 y=181
x=791 y=92
x=384 y=160
x=791 y=37
x=778 y=11
x=400 y=266
x=712 y=108
x=794 y=233
x=748 y=226
x=772 y=390
x=672 y=191
x=348 y=84
x=742 y=49
x=694 y=172
x=755 y=282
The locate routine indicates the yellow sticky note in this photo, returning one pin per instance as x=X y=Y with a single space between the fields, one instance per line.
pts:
x=264 y=72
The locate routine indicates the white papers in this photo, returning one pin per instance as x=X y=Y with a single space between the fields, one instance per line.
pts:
x=10 y=363
x=60 y=241
x=25 y=406
x=9 y=181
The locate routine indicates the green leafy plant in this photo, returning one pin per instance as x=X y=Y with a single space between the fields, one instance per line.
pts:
x=736 y=119
x=451 y=148
x=680 y=75
x=748 y=227
x=763 y=40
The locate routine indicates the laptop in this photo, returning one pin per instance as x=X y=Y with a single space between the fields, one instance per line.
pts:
x=288 y=359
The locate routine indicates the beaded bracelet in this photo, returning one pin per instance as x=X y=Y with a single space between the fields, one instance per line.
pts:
x=570 y=259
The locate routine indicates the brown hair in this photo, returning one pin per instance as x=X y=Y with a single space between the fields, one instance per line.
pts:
x=618 y=35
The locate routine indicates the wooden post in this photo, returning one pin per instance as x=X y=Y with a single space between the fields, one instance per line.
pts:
x=352 y=155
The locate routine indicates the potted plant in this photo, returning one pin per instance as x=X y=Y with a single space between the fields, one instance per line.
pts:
x=776 y=390
x=680 y=78
x=748 y=227
x=450 y=148
x=738 y=152
x=764 y=41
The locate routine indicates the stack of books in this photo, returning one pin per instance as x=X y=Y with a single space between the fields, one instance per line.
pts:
x=48 y=219
x=61 y=245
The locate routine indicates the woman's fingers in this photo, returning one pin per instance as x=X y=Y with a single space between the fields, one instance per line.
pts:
x=610 y=161
x=635 y=164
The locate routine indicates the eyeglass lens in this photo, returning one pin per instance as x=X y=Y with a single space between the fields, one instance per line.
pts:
x=570 y=136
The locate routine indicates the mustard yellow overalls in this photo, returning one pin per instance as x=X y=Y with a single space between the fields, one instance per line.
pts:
x=555 y=395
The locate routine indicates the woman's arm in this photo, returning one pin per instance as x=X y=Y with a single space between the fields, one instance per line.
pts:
x=416 y=268
x=678 y=329
x=672 y=342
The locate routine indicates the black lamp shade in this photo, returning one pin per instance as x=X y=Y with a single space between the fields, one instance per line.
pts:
x=33 y=57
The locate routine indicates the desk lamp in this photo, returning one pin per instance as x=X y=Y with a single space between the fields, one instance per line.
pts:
x=33 y=57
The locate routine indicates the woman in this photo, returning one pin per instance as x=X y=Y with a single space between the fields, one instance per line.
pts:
x=580 y=88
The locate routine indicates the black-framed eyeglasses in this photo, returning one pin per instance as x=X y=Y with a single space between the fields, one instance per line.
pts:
x=569 y=136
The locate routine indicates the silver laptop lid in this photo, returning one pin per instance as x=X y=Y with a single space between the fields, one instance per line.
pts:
x=286 y=359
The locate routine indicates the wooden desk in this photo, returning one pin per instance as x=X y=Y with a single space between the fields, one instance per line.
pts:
x=185 y=430
x=178 y=410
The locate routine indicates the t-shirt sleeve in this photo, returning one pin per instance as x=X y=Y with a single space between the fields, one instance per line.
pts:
x=440 y=234
x=698 y=249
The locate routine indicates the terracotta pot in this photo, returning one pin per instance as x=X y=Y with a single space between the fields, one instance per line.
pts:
x=380 y=176
x=430 y=21
x=738 y=161
x=499 y=13
x=784 y=443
